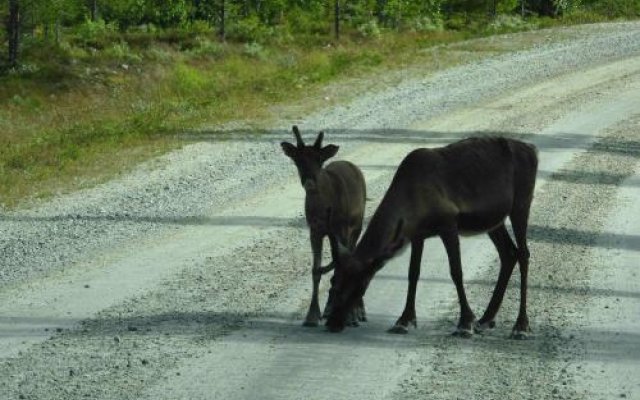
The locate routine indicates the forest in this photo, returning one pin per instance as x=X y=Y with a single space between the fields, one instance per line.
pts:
x=265 y=20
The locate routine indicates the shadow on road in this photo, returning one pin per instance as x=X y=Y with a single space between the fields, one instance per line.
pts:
x=545 y=234
x=561 y=141
x=285 y=329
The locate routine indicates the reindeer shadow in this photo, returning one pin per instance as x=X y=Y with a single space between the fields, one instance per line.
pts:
x=284 y=329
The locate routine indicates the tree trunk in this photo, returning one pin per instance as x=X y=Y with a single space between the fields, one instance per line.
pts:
x=93 y=9
x=57 y=28
x=13 y=31
x=223 y=17
x=336 y=21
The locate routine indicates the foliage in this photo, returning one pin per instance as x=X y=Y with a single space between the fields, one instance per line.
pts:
x=613 y=8
x=91 y=31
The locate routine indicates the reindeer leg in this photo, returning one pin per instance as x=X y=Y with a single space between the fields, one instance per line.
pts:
x=408 y=316
x=353 y=315
x=327 y=268
x=452 y=244
x=507 y=252
x=313 y=315
x=330 y=267
x=327 y=306
x=361 y=314
x=519 y=221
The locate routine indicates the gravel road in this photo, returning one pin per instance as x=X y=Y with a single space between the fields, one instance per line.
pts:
x=188 y=278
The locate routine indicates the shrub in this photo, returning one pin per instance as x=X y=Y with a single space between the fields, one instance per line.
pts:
x=369 y=29
x=508 y=23
x=615 y=8
x=95 y=31
x=255 y=50
x=121 y=52
x=203 y=47
x=250 y=29
x=426 y=24
x=187 y=80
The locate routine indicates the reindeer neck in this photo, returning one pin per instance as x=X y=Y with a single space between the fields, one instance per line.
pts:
x=380 y=232
x=320 y=194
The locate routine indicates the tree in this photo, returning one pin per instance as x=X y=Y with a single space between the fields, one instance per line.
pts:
x=93 y=9
x=13 y=31
x=336 y=19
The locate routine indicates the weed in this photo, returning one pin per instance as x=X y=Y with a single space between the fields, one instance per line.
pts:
x=206 y=48
x=255 y=50
x=121 y=52
x=187 y=80
x=370 y=29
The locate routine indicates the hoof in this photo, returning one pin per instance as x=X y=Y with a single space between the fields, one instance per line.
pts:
x=335 y=329
x=310 y=323
x=463 y=333
x=399 y=329
x=484 y=326
x=519 y=335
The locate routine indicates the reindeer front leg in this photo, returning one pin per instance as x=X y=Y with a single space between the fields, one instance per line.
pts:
x=451 y=242
x=314 y=315
x=408 y=316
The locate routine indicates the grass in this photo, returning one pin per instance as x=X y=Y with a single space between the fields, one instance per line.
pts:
x=77 y=114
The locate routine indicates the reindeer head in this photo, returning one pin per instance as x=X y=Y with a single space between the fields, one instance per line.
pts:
x=308 y=159
x=353 y=274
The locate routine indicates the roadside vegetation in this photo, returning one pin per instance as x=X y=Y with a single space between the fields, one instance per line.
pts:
x=89 y=89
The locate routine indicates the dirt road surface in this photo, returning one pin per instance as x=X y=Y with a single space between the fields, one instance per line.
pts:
x=189 y=277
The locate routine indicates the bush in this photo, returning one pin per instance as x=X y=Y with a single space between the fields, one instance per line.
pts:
x=95 y=31
x=508 y=23
x=369 y=29
x=121 y=52
x=255 y=50
x=426 y=24
x=457 y=22
x=615 y=8
x=186 y=80
x=203 y=47
x=250 y=30
x=200 y=27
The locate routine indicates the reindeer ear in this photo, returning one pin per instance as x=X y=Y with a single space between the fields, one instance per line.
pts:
x=289 y=149
x=329 y=151
x=296 y=133
x=318 y=143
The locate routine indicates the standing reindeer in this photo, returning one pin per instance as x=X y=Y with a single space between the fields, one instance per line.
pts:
x=334 y=204
x=465 y=188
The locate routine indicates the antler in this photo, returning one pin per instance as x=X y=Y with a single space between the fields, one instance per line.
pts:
x=318 y=142
x=299 y=141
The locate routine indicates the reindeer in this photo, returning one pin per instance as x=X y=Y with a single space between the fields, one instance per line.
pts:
x=465 y=188
x=338 y=187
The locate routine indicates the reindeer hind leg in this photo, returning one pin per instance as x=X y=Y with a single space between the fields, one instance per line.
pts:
x=508 y=256
x=519 y=221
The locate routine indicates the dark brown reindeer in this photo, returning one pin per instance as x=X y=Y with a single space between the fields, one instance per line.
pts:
x=338 y=187
x=465 y=188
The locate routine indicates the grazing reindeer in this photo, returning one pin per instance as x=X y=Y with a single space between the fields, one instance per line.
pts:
x=467 y=187
x=334 y=203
